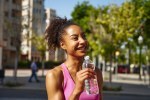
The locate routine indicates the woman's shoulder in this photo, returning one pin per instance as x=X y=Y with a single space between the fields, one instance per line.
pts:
x=54 y=82
x=55 y=74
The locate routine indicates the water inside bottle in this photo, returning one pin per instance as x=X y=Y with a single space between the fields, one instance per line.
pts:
x=91 y=85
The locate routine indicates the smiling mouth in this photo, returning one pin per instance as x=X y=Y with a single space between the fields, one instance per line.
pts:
x=82 y=48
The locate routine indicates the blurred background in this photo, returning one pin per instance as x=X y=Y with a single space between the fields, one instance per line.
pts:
x=118 y=32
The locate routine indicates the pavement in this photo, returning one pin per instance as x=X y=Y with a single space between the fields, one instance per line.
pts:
x=130 y=83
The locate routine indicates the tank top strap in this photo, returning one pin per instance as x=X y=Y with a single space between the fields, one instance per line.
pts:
x=65 y=74
x=65 y=71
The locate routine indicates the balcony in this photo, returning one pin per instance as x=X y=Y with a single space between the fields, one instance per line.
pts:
x=17 y=7
x=17 y=2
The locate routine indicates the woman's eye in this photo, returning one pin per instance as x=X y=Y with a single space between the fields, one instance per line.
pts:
x=75 y=38
x=84 y=36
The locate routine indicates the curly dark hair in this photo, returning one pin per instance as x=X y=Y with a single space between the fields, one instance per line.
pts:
x=55 y=30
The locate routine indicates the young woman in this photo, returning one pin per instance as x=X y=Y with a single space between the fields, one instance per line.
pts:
x=66 y=81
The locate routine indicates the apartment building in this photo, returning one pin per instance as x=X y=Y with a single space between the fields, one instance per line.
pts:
x=33 y=22
x=59 y=54
x=10 y=29
x=1 y=34
x=50 y=14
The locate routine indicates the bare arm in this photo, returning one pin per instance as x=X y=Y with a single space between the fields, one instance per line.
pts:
x=54 y=85
x=100 y=82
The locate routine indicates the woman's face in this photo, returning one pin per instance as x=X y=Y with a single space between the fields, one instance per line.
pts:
x=74 y=41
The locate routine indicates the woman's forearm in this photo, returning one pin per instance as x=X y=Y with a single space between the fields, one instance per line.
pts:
x=75 y=95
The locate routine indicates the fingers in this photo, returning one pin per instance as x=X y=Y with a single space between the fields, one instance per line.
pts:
x=87 y=70
x=81 y=76
x=85 y=73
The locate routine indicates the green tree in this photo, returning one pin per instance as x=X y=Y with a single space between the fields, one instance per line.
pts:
x=40 y=44
x=144 y=5
x=81 y=15
x=111 y=26
x=14 y=33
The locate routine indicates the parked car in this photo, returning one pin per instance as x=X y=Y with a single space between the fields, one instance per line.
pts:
x=122 y=69
x=145 y=69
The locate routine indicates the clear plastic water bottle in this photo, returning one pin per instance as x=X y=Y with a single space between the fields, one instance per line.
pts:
x=91 y=84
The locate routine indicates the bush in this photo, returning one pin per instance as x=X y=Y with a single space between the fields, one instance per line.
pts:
x=48 y=64
x=51 y=64
x=111 y=88
x=24 y=64
x=13 y=84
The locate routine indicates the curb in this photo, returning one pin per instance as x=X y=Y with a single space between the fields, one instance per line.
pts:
x=104 y=92
x=125 y=93
x=22 y=88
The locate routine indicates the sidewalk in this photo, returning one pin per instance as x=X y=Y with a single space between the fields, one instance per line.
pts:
x=129 y=83
x=22 y=77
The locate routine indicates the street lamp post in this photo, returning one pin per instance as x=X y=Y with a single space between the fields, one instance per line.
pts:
x=116 y=69
x=148 y=70
x=140 y=40
x=130 y=40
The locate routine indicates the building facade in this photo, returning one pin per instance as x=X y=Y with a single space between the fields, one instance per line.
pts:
x=33 y=23
x=1 y=34
x=10 y=29
x=59 y=54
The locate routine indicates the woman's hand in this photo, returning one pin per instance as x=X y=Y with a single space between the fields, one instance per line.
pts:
x=81 y=76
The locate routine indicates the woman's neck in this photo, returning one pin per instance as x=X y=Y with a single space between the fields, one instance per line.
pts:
x=73 y=63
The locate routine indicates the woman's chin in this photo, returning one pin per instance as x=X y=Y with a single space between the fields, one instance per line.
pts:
x=82 y=55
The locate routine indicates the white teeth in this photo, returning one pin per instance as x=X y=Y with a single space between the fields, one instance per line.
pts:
x=82 y=48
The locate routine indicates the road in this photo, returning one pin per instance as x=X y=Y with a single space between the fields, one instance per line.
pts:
x=124 y=97
x=24 y=94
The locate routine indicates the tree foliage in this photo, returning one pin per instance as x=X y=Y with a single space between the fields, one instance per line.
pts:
x=109 y=27
x=40 y=44
x=81 y=14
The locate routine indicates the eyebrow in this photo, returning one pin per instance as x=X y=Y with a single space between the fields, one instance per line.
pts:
x=82 y=33
x=73 y=35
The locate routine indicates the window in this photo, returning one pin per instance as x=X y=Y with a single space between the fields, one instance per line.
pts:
x=15 y=13
x=35 y=0
x=16 y=1
x=40 y=2
x=6 y=14
x=12 y=41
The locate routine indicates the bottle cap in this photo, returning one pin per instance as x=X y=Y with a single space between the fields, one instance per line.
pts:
x=86 y=57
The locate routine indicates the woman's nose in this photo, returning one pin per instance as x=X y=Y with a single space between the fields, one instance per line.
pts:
x=82 y=40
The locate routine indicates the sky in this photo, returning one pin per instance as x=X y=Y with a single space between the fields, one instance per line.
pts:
x=64 y=8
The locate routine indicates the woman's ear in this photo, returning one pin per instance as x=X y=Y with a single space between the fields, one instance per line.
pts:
x=62 y=45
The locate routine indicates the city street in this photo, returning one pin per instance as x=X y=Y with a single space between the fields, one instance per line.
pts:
x=38 y=35
x=24 y=94
x=125 y=97
x=132 y=88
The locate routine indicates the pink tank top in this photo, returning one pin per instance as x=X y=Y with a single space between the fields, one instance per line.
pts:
x=69 y=86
